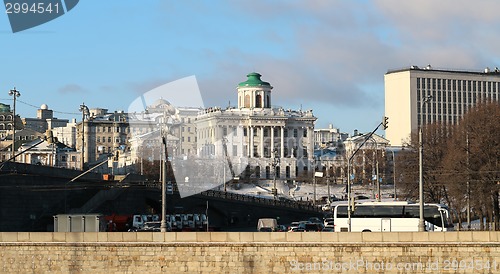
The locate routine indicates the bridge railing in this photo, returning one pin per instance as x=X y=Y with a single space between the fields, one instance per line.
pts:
x=260 y=200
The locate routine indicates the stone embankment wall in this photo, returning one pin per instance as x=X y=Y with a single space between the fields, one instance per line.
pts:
x=248 y=252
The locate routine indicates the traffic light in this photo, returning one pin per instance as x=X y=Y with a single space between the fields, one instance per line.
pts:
x=385 y=122
x=352 y=204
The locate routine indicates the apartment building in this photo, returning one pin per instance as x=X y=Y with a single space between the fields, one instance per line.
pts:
x=417 y=96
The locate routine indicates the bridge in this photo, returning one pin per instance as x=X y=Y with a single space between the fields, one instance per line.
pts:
x=31 y=195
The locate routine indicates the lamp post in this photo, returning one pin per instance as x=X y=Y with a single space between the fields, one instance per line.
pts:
x=276 y=162
x=394 y=173
x=85 y=111
x=14 y=93
x=421 y=222
x=163 y=224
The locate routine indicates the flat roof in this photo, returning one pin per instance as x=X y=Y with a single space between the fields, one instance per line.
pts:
x=485 y=72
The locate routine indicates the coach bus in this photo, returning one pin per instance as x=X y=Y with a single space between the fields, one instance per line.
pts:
x=392 y=216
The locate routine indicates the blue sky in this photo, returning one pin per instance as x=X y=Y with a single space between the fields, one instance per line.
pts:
x=329 y=56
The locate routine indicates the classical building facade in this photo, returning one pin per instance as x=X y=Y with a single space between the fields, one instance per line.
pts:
x=408 y=105
x=270 y=138
x=328 y=137
x=137 y=134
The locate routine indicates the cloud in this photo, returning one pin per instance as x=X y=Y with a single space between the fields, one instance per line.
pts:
x=334 y=54
x=71 y=88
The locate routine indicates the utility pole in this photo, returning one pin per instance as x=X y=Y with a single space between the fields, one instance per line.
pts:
x=421 y=221
x=328 y=181
x=468 y=183
x=163 y=224
x=14 y=93
x=314 y=180
x=85 y=112
x=351 y=204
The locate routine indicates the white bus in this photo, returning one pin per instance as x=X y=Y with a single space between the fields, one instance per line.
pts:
x=392 y=216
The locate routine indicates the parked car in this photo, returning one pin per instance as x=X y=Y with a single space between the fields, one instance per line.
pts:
x=296 y=229
x=312 y=227
x=315 y=220
x=153 y=227
x=328 y=222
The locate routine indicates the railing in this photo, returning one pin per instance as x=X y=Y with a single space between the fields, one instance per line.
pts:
x=258 y=200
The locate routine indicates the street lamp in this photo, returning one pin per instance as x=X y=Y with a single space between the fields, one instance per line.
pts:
x=421 y=222
x=394 y=173
x=163 y=224
x=85 y=112
x=14 y=93
x=276 y=162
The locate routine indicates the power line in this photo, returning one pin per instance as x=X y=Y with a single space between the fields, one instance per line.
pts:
x=37 y=107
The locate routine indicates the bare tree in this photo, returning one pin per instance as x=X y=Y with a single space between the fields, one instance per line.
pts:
x=474 y=159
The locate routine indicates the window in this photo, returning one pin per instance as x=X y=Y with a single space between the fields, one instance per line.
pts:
x=304 y=133
x=247 y=101
x=109 y=139
x=258 y=101
x=189 y=129
x=189 y=139
x=224 y=131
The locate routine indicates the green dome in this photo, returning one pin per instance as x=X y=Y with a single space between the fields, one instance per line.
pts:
x=253 y=81
x=4 y=108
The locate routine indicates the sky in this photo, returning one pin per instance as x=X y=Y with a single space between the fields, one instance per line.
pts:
x=329 y=56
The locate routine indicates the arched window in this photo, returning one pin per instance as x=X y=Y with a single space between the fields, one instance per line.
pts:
x=268 y=101
x=247 y=101
x=257 y=172
x=287 y=171
x=258 y=101
x=268 y=172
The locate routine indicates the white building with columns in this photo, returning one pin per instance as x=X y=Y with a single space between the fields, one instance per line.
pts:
x=256 y=131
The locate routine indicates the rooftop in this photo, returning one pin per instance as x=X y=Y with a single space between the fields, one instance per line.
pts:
x=486 y=71
x=254 y=81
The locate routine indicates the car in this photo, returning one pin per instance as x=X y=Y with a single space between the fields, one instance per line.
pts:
x=315 y=220
x=326 y=207
x=153 y=227
x=312 y=227
x=328 y=222
x=296 y=229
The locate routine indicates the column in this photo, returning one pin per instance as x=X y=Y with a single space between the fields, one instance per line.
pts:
x=310 y=145
x=300 y=141
x=248 y=141
x=282 y=142
x=251 y=142
x=272 y=140
x=261 y=142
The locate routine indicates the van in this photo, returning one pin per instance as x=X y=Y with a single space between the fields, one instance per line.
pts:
x=267 y=225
